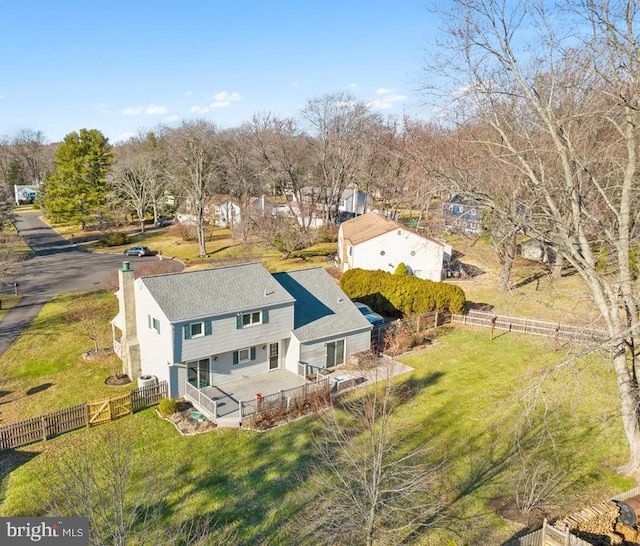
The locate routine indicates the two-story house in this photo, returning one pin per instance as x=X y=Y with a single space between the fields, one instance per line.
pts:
x=214 y=326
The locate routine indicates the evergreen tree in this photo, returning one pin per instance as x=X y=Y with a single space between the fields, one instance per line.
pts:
x=77 y=189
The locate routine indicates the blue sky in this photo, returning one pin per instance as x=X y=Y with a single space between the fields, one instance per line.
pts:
x=121 y=67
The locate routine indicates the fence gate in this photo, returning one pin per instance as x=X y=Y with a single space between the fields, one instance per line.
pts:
x=108 y=410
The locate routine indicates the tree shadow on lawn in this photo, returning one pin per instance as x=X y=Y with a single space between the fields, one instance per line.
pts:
x=246 y=501
x=12 y=459
x=38 y=388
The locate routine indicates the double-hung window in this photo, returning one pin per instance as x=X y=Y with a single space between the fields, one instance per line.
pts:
x=197 y=329
x=245 y=320
x=244 y=355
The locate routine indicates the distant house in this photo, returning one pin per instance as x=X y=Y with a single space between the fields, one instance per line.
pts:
x=203 y=329
x=539 y=251
x=461 y=215
x=353 y=201
x=374 y=242
x=25 y=195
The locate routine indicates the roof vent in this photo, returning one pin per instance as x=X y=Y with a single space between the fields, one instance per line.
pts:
x=268 y=292
x=340 y=300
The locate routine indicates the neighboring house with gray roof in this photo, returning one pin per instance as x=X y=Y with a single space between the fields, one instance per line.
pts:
x=215 y=326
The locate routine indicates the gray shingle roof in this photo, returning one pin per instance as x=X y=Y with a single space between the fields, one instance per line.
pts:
x=322 y=309
x=209 y=292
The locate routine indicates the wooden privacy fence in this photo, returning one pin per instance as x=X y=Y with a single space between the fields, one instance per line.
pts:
x=555 y=330
x=90 y=414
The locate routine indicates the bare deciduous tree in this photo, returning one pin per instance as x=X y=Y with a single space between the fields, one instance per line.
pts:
x=109 y=481
x=370 y=486
x=90 y=317
x=558 y=85
x=194 y=167
x=341 y=142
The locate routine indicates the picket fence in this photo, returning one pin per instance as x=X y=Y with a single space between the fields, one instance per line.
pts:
x=89 y=414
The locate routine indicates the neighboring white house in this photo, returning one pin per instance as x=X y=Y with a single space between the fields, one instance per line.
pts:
x=211 y=327
x=25 y=195
x=374 y=242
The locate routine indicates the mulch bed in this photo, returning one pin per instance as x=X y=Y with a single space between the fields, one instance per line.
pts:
x=185 y=421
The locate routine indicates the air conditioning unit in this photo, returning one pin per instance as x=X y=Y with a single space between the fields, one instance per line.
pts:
x=147 y=381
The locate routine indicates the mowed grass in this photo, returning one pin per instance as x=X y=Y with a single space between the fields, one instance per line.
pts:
x=466 y=400
x=44 y=370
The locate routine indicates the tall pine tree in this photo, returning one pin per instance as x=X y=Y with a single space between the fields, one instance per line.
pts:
x=77 y=189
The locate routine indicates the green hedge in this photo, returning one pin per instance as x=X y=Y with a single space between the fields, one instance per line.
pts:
x=401 y=294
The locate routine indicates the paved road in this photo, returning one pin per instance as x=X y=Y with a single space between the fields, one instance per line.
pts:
x=56 y=267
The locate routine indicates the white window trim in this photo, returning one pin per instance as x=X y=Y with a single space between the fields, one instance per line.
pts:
x=252 y=323
x=155 y=324
x=243 y=360
x=201 y=334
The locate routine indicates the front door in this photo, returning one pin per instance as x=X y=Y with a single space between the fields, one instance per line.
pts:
x=274 y=355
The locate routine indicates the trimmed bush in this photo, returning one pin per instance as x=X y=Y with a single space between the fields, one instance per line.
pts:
x=401 y=269
x=396 y=295
x=114 y=239
x=167 y=406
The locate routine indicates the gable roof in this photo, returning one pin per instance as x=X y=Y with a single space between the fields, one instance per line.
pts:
x=365 y=227
x=322 y=309
x=208 y=292
x=370 y=225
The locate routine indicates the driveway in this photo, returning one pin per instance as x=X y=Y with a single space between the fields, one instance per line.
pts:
x=55 y=267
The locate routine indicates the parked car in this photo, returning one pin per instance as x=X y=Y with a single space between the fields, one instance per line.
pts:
x=373 y=317
x=138 y=251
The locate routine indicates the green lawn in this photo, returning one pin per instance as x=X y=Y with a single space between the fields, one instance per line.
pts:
x=44 y=370
x=471 y=399
x=465 y=399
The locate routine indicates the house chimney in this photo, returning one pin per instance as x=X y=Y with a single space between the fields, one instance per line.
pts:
x=131 y=362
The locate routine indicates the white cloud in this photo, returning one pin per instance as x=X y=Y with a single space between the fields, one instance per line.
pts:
x=383 y=91
x=188 y=93
x=154 y=110
x=151 y=110
x=386 y=102
x=221 y=104
x=199 y=109
x=379 y=105
x=171 y=119
x=132 y=111
x=352 y=86
x=1 y=97
x=225 y=96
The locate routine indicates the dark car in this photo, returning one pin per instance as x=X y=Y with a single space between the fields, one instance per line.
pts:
x=138 y=251
x=373 y=317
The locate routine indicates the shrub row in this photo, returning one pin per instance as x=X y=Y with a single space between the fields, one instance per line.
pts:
x=396 y=295
x=114 y=239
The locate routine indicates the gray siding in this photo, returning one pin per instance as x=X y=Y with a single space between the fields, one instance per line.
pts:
x=227 y=337
x=316 y=353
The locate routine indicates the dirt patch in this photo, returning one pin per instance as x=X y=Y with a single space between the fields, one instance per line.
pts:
x=116 y=380
x=92 y=354
x=507 y=510
x=188 y=420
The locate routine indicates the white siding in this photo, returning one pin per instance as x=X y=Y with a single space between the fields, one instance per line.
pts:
x=385 y=252
x=155 y=349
